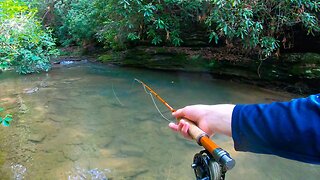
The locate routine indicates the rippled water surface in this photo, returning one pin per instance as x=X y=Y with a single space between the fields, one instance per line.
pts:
x=89 y=121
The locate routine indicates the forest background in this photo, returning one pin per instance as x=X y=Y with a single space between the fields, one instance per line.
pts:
x=260 y=40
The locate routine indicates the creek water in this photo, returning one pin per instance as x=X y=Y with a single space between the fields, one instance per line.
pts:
x=88 y=121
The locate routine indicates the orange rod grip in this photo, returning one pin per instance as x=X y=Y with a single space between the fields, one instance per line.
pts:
x=208 y=144
x=201 y=137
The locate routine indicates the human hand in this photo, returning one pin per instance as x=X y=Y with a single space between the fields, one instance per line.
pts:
x=210 y=118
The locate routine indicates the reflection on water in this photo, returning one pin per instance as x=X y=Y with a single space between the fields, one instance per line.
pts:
x=18 y=171
x=91 y=122
x=94 y=174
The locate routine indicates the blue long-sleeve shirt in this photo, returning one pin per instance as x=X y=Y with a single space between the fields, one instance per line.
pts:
x=287 y=129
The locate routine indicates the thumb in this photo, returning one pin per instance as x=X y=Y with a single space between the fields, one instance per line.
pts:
x=178 y=113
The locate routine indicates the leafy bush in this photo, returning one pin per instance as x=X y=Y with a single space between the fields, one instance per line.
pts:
x=260 y=26
x=263 y=24
x=5 y=121
x=25 y=46
x=157 y=22
x=78 y=23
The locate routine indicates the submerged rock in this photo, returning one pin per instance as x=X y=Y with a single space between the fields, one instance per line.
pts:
x=72 y=152
x=127 y=150
x=37 y=138
x=22 y=107
x=107 y=141
x=57 y=118
x=76 y=141
x=135 y=174
x=44 y=84
x=30 y=148
x=31 y=90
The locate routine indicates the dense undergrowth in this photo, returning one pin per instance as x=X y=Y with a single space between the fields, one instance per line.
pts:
x=25 y=44
x=260 y=27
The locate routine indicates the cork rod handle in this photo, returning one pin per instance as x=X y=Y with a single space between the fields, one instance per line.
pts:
x=194 y=131
x=201 y=137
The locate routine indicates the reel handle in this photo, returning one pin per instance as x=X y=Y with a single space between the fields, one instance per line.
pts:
x=220 y=155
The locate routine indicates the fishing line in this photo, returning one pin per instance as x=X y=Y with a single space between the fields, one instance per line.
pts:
x=154 y=102
x=132 y=84
x=116 y=96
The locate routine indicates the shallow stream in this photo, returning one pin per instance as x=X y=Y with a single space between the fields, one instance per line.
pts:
x=88 y=121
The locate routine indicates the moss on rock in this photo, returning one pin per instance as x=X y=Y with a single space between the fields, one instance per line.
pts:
x=164 y=59
x=105 y=58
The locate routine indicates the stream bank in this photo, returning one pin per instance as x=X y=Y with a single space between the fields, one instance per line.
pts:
x=292 y=72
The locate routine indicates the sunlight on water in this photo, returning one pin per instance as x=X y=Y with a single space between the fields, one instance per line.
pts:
x=92 y=122
x=18 y=171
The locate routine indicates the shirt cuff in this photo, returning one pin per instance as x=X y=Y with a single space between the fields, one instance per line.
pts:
x=236 y=129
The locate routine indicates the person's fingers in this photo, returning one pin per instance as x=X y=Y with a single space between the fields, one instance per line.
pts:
x=173 y=126
x=184 y=130
x=181 y=127
x=177 y=127
x=188 y=112
x=179 y=113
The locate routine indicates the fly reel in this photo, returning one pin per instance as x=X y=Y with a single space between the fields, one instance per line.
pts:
x=206 y=168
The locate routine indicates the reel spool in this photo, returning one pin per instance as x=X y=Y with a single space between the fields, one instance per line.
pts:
x=206 y=168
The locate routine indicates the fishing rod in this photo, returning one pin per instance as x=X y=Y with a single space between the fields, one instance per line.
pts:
x=213 y=162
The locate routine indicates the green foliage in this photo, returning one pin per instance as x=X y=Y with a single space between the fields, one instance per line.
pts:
x=25 y=46
x=5 y=121
x=260 y=26
x=78 y=21
x=157 y=22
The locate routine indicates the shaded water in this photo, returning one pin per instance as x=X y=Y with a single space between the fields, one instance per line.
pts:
x=91 y=122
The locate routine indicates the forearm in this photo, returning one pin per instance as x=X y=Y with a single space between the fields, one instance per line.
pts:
x=221 y=123
x=288 y=129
